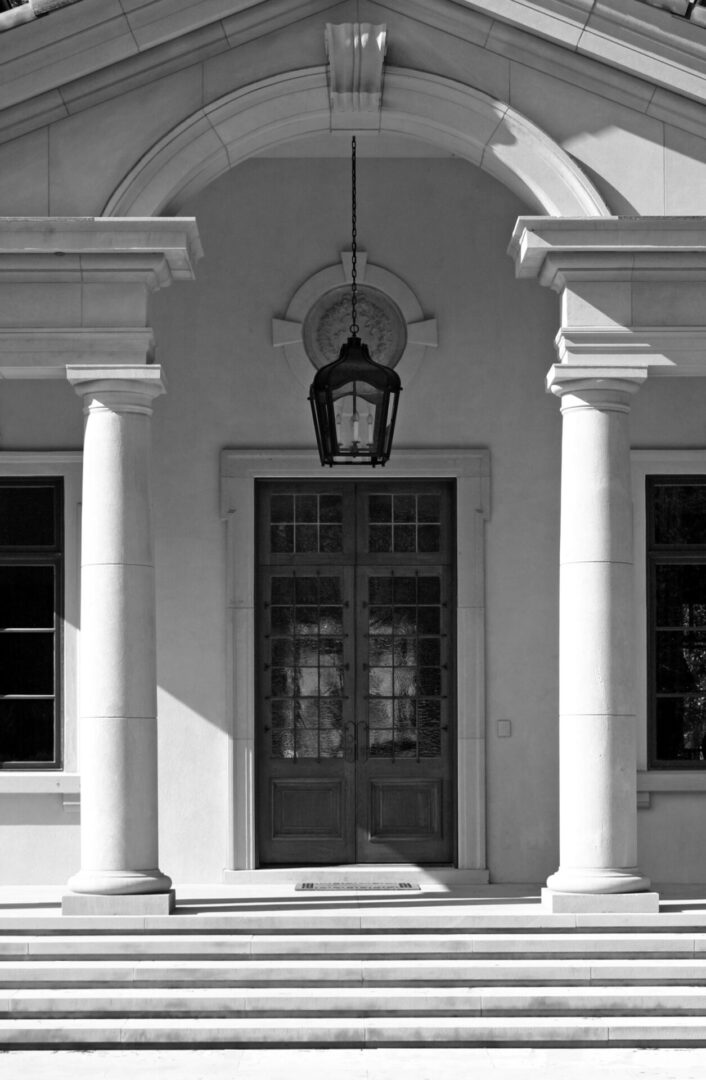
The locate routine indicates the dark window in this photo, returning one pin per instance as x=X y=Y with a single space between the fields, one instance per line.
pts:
x=676 y=612
x=31 y=578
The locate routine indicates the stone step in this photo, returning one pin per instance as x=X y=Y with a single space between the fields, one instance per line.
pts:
x=361 y=946
x=306 y=1002
x=252 y=916
x=356 y=1031
x=350 y=972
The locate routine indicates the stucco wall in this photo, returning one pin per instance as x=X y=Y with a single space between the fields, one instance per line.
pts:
x=266 y=227
x=443 y=227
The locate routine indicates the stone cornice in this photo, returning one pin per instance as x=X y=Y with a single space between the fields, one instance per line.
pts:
x=631 y=53
x=154 y=251
x=616 y=248
x=645 y=42
x=47 y=54
x=631 y=290
x=76 y=290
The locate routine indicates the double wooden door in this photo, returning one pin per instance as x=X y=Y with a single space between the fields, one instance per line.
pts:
x=355 y=718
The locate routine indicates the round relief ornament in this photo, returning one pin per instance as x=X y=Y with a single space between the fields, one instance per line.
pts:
x=381 y=324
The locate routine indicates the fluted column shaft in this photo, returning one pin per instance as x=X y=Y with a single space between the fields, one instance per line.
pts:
x=117 y=675
x=598 y=801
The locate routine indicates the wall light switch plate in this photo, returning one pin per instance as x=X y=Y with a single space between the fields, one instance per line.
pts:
x=504 y=729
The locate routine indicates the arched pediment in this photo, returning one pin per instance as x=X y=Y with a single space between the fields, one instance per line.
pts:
x=446 y=114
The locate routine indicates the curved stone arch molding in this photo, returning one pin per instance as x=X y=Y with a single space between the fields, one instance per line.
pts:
x=287 y=332
x=448 y=114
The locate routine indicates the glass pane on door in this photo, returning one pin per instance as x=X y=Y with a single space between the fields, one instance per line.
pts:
x=306 y=668
x=404 y=667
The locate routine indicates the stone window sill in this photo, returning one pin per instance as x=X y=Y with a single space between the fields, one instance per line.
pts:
x=676 y=782
x=39 y=783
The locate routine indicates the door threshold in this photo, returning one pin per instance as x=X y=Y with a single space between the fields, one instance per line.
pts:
x=429 y=876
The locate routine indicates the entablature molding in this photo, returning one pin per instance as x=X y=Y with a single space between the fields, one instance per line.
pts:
x=548 y=247
x=676 y=350
x=76 y=290
x=45 y=352
x=631 y=289
x=154 y=251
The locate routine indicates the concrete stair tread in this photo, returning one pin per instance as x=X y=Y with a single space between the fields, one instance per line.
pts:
x=352 y=972
x=358 y=1031
x=300 y=968
x=398 y=945
x=277 y=1001
x=373 y=979
x=355 y=916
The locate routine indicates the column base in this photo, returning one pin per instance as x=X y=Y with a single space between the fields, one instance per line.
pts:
x=577 y=889
x=564 y=903
x=601 y=879
x=119 y=882
x=127 y=904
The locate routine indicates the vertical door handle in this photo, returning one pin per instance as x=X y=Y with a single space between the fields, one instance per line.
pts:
x=349 y=741
x=362 y=740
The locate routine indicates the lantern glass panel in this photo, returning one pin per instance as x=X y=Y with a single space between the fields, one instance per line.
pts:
x=357 y=408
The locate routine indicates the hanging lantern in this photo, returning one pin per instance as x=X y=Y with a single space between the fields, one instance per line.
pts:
x=354 y=399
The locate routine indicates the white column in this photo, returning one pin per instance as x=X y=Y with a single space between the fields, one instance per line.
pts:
x=117 y=669
x=598 y=799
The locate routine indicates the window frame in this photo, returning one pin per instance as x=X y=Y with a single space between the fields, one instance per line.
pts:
x=60 y=777
x=664 y=555
x=42 y=555
x=670 y=777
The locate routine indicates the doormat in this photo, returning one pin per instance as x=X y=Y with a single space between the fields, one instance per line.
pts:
x=356 y=886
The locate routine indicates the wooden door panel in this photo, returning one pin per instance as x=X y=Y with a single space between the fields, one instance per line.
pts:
x=405 y=810
x=306 y=762
x=403 y=714
x=307 y=807
x=310 y=820
x=354 y=747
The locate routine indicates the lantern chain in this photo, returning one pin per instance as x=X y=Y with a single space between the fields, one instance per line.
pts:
x=354 y=245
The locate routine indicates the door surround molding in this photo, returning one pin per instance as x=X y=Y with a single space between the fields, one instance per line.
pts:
x=470 y=468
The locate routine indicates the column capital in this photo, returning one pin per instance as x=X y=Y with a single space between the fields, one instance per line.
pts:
x=118 y=386
x=596 y=385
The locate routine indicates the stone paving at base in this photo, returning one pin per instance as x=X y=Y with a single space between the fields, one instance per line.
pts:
x=417 y=1064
